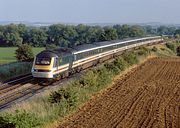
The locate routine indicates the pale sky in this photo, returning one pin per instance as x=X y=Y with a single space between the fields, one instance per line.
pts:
x=91 y=11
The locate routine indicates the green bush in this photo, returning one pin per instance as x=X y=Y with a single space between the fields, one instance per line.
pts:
x=112 y=68
x=154 y=49
x=64 y=95
x=89 y=79
x=24 y=53
x=130 y=58
x=20 y=119
x=178 y=51
x=163 y=49
x=143 y=51
x=120 y=63
x=171 y=46
x=104 y=76
x=5 y=123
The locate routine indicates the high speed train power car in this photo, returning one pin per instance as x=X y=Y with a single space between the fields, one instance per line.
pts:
x=59 y=63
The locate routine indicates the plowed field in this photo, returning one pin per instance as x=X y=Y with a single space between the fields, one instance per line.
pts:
x=147 y=97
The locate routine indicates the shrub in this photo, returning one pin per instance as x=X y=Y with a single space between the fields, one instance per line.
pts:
x=24 y=53
x=178 y=51
x=111 y=67
x=130 y=58
x=154 y=49
x=64 y=95
x=142 y=51
x=5 y=123
x=171 y=46
x=120 y=63
x=163 y=49
x=104 y=76
x=88 y=79
x=21 y=119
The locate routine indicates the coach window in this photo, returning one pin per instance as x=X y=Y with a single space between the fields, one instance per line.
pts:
x=65 y=60
x=79 y=56
x=60 y=60
x=84 y=55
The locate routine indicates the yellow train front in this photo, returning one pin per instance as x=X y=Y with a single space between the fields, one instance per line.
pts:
x=43 y=65
x=49 y=64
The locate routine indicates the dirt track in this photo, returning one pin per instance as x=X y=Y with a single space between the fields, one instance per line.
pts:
x=148 y=97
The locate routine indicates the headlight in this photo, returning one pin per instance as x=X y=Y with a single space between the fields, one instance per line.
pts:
x=35 y=70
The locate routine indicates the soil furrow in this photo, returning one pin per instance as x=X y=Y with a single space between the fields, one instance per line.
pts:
x=148 y=97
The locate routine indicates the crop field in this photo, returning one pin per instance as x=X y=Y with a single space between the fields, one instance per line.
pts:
x=7 y=54
x=148 y=96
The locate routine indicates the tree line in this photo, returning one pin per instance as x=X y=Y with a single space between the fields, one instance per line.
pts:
x=71 y=35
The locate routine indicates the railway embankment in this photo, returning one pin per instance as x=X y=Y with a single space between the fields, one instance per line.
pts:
x=67 y=100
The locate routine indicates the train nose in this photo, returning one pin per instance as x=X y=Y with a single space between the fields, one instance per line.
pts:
x=38 y=73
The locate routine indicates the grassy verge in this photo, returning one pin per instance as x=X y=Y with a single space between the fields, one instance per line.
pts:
x=53 y=106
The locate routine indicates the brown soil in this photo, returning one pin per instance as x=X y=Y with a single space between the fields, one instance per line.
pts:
x=148 y=97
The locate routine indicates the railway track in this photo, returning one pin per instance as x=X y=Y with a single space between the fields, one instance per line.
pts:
x=16 y=90
x=18 y=95
x=24 y=88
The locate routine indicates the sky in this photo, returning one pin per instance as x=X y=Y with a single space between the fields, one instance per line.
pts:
x=91 y=11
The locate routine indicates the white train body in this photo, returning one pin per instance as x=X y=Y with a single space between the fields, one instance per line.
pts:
x=62 y=62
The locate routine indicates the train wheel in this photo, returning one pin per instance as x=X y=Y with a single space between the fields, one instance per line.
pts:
x=58 y=77
x=79 y=69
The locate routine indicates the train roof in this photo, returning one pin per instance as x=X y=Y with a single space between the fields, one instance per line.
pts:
x=55 y=53
x=87 y=47
x=83 y=47
x=96 y=45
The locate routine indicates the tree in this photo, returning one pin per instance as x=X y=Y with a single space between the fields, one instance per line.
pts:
x=136 y=31
x=24 y=53
x=123 y=31
x=162 y=30
x=51 y=46
x=177 y=31
x=82 y=34
x=37 y=37
x=55 y=33
x=110 y=33
x=150 y=30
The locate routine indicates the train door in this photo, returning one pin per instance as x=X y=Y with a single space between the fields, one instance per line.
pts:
x=56 y=62
x=71 y=59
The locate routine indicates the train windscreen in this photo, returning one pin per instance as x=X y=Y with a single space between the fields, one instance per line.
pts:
x=43 y=61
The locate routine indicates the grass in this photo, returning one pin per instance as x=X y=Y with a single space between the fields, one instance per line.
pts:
x=53 y=106
x=7 y=54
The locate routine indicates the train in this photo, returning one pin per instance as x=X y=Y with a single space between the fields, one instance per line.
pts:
x=62 y=62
